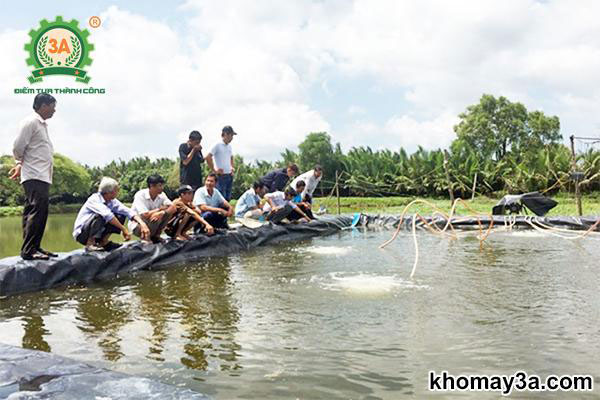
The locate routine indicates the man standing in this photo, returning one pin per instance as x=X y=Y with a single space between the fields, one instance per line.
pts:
x=220 y=161
x=277 y=179
x=311 y=180
x=191 y=159
x=33 y=153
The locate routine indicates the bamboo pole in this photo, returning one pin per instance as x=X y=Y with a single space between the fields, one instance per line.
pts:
x=450 y=192
x=574 y=169
x=337 y=190
x=474 y=186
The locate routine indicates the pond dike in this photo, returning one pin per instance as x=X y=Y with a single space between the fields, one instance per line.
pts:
x=79 y=267
x=470 y=222
x=31 y=374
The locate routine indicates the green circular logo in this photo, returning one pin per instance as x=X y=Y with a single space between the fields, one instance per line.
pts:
x=59 y=48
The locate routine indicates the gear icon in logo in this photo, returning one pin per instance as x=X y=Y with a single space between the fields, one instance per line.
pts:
x=41 y=60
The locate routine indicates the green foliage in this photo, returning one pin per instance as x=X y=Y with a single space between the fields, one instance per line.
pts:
x=70 y=181
x=496 y=126
x=11 y=193
x=500 y=146
x=132 y=175
x=317 y=149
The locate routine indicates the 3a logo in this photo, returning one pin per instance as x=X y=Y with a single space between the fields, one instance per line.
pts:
x=59 y=48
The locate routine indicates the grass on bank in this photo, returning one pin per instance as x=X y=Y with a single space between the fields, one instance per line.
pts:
x=388 y=205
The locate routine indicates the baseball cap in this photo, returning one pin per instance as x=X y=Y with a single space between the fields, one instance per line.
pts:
x=228 y=129
x=184 y=189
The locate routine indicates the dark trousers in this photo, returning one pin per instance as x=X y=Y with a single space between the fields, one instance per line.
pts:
x=276 y=216
x=35 y=215
x=295 y=215
x=224 y=185
x=215 y=219
x=96 y=228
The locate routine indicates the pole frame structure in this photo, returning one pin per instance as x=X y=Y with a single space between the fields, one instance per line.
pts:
x=574 y=168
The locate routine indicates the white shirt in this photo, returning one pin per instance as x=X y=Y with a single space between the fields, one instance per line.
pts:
x=310 y=180
x=278 y=198
x=96 y=205
x=222 y=153
x=142 y=203
x=34 y=150
x=202 y=197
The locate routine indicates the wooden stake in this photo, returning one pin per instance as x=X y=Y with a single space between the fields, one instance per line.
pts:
x=474 y=185
x=574 y=169
x=337 y=191
x=450 y=192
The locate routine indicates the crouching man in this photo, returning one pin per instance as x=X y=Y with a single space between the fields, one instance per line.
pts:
x=101 y=216
x=303 y=204
x=187 y=216
x=248 y=205
x=154 y=208
x=215 y=209
x=280 y=206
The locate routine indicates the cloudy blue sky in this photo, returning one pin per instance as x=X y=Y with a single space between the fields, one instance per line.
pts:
x=386 y=74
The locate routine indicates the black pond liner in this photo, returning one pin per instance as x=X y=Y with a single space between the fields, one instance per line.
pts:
x=77 y=267
x=31 y=374
x=470 y=222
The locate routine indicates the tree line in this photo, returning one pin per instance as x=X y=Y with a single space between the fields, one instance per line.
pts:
x=500 y=147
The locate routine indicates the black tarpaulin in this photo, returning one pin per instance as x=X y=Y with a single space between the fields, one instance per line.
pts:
x=534 y=201
x=19 y=276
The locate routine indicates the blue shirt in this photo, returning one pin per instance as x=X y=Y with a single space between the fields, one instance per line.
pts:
x=247 y=202
x=96 y=205
x=202 y=197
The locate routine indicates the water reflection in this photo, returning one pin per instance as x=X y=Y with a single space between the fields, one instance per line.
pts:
x=209 y=317
x=194 y=302
x=101 y=316
x=33 y=337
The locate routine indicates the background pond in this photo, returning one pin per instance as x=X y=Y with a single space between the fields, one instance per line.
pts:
x=334 y=317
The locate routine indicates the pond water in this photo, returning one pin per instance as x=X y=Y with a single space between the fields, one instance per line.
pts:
x=57 y=237
x=334 y=317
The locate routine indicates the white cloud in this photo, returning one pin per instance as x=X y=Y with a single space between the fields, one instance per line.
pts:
x=158 y=91
x=253 y=65
x=405 y=132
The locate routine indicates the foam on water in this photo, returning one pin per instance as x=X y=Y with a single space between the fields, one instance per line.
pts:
x=368 y=284
x=328 y=250
x=531 y=234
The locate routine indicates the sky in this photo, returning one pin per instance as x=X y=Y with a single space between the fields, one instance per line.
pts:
x=384 y=73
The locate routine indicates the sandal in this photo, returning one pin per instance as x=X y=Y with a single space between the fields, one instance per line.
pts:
x=37 y=256
x=94 y=247
x=48 y=253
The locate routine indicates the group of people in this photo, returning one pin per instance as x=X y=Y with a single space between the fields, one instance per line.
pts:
x=202 y=205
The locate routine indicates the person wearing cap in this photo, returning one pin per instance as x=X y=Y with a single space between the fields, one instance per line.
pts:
x=33 y=152
x=278 y=179
x=154 y=208
x=311 y=180
x=190 y=161
x=102 y=215
x=247 y=205
x=215 y=208
x=220 y=162
x=187 y=216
